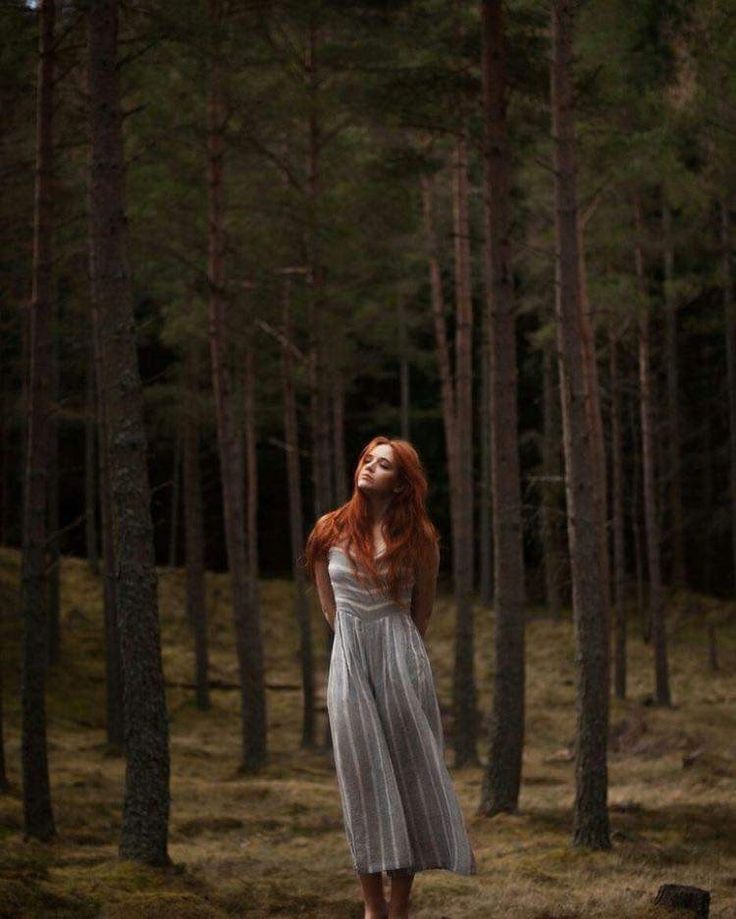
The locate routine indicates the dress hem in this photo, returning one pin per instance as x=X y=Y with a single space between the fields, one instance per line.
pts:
x=414 y=869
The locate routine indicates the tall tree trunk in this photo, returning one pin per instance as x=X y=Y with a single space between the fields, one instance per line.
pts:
x=90 y=479
x=502 y=779
x=296 y=524
x=404 y=371
x=656 y=610
x=593 y=407
x=193 y=530
x=591 y=824
x=53 y=564
x=673 y=405
x=247 y=623
x=464 y=691
x=706 y=452
x=338 y=438
x=251 y=467
x=146 y=800
x=485 y=574
x=175 y=500
x=635 y=504
x=729 y=312
x=113 y=665
x=550 y=489
x=617 y=508
x=37 y=810
x=464 y=695
x=319 y=407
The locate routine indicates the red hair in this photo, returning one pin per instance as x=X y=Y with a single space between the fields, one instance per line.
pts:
x=410 y=536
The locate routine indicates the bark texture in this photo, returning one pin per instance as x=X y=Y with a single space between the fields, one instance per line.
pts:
x=38 y=817
x=193 y=531
x=590 y=820
x=651 y=520
x=296 y=523
x=502 y=780
x=146 y=800
x=247 y=622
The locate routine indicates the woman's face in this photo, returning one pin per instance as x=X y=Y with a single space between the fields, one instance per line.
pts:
x=378 y=474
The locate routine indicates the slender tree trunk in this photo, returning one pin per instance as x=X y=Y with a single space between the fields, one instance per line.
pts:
x=146 y=800
x=338 y=430
x=440 y=332
x=53 y=564
x=37 y=810
x=706 y=453
x=486 y=439
x=296 y=525
x=464 y=691
x=247 y=624
x=673 y=451
x=729 y=311
x=319 y=413
x=5 y=454
x=90 y=479
x=593 y=407
x=251 y=468
x=552 y=472
x=502 y=779
x=635 y=504
x=4 y=783
x=617 y=502
x=113 y=665
x=591 y=824
x=404 y=371
x=656 y=610
x=175 y=500
x=193 y=530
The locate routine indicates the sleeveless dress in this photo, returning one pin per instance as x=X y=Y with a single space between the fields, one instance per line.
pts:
x=401 y=813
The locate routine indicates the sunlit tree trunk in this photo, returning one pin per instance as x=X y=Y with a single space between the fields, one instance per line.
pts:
x=146 y=800
x=502 y=779
x=37 y=810
x=590 y=819
x=656 y=608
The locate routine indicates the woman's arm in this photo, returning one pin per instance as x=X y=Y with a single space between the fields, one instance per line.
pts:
x=425 y=587
x=324 y=589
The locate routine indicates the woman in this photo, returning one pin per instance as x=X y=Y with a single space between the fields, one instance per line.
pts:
x=374 y=561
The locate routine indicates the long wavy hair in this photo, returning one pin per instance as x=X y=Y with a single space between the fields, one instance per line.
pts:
x=409 y=534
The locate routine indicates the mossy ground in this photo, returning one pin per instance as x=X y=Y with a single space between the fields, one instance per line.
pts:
x=273 y=844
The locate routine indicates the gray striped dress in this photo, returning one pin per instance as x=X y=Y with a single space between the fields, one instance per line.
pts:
x=400 y=810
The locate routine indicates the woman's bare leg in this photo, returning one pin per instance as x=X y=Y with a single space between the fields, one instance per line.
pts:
x=375 y=902
x=398 y=907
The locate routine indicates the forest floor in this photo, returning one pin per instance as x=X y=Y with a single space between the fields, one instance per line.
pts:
x=274 y=844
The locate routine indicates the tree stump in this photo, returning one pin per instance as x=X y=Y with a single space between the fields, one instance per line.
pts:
x=681 y=896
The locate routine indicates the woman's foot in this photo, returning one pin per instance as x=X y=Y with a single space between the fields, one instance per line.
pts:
x=373 y=914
